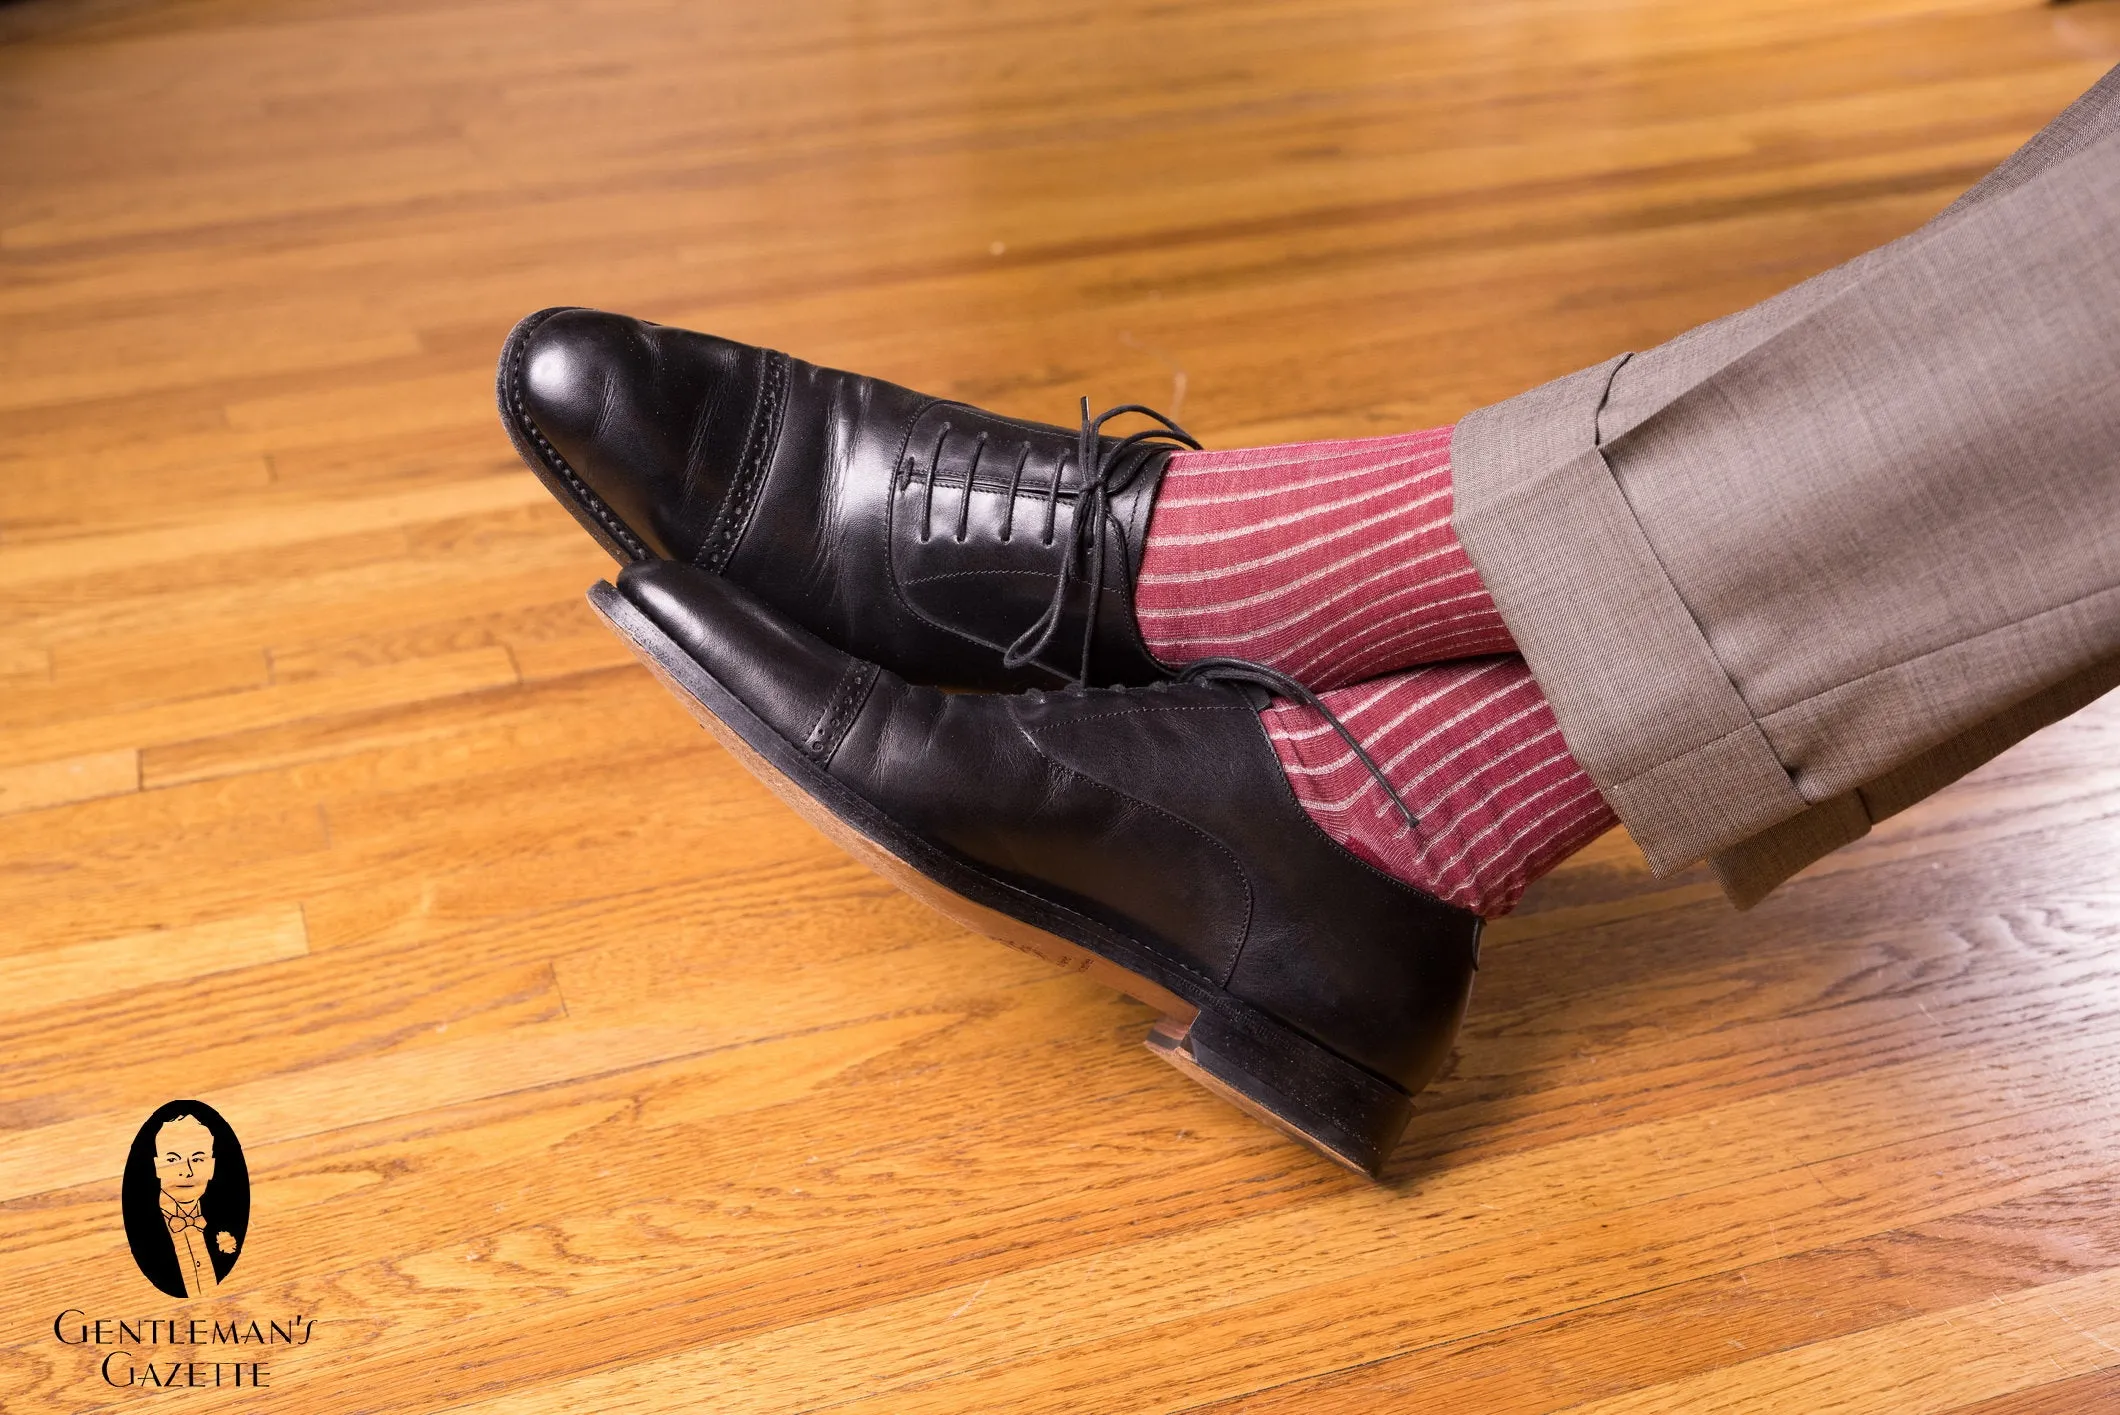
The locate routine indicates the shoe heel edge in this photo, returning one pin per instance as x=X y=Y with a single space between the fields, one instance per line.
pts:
x=1294 y=1084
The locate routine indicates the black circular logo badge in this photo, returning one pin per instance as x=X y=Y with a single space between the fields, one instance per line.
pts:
x=187 y=1199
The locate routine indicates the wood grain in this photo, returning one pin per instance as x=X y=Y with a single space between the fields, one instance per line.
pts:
x=54 y=977
x=82 y=778
x=574 y=1072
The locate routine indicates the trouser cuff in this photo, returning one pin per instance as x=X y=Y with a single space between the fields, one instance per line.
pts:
x=1639 y=695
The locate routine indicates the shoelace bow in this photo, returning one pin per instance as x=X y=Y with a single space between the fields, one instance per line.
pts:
x=1107 y=471
x=1110 y=474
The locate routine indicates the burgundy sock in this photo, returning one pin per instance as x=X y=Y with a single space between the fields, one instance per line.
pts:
x=1474 y=751
x=1331 y=561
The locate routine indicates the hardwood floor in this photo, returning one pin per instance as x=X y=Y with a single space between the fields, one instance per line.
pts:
x=575 y=1073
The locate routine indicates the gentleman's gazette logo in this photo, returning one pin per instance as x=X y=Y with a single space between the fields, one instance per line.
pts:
x=186 y=1194
x=187 y=1198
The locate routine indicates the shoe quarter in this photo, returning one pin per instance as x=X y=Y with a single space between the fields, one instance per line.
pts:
x=1140 y=771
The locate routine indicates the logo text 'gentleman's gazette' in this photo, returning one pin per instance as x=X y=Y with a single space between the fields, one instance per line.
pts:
x=132 y=1357
x=186 y=1197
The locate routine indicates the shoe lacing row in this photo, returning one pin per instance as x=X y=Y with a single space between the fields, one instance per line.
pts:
x=1107 y=472
x=1112 y=472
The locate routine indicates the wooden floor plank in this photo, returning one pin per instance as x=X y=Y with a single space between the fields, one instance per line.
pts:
x=1716 y=1322
x=35 y=785
x=1293 y=1315
x=2065 y=1328
x=416 y=681
x=2094 y=1391
x=59 y=976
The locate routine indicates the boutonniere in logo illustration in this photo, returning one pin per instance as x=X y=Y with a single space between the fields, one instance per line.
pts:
x=186 y=1196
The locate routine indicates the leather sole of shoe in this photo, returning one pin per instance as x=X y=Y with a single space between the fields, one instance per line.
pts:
x=1274 y=1073
x=542 y=458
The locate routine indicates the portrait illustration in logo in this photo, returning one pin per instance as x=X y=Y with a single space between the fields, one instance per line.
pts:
x=187 y=1198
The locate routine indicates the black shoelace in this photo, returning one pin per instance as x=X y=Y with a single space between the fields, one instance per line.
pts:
x=1107 y=472
x=1111 y=472
x=1272 y=680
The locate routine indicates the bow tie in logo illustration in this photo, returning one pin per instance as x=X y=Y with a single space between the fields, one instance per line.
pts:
x=186 y=1216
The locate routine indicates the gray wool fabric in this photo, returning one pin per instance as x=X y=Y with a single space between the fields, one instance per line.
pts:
x=1798 y=568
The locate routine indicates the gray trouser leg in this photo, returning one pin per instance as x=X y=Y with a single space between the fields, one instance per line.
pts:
x=1795 y=569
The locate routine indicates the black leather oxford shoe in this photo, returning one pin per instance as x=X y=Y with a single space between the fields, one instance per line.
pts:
x=1145 y=835
x=956 y=546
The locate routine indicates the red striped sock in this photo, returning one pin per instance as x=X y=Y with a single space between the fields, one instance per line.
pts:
x=1331 y=561
x=1474 y=750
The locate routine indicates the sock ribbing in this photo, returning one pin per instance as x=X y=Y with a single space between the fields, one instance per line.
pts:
x=1474 y=749
x=1331 y=561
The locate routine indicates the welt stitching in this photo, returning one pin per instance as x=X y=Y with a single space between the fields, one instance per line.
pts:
x=759 y=442
x=549 y=455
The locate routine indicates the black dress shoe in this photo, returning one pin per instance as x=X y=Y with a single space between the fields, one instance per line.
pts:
x=955 y=546
x=1146 y=835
